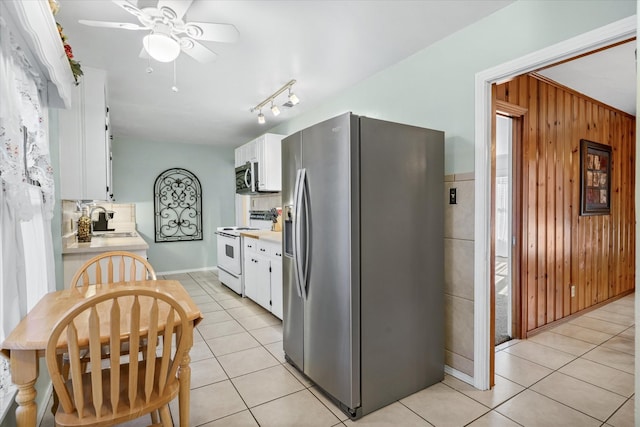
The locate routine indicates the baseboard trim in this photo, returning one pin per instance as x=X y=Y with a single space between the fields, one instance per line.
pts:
x=459 y=375
x=162 y=273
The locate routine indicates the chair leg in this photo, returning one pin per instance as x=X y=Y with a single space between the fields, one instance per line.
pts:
x=154 y=417
x=165 y=415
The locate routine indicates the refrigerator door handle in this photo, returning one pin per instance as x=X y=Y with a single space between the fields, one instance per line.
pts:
x=297 y=197
x=305 y=265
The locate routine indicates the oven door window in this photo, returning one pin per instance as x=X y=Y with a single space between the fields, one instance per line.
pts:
x=228 y=250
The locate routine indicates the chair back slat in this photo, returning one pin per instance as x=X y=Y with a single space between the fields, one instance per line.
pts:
x=98 y=280
x=109 y=271
x=85 y=278
x=151 y=352
x=133 y=268
x=129 y=314
x=114 y=357
x=121 y=275
x=134 y=349
x=75 y=370
x=113 y=266
x=167 y=339
x=95 y=351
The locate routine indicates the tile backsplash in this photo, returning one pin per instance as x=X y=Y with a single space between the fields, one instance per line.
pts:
x=124 y=218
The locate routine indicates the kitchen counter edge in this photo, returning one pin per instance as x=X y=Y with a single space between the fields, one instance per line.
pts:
x=102 y=244
x=267 y=235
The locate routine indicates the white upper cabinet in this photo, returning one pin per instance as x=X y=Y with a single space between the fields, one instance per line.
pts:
x=266 y=151
x=85 y=146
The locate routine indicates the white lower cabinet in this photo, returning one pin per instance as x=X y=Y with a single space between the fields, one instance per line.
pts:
x=263 y=274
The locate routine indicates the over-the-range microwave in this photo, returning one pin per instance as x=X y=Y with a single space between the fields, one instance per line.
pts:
x=247 y=178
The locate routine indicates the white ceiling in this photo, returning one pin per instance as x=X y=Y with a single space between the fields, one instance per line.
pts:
x=327 y=46
x=608 y=76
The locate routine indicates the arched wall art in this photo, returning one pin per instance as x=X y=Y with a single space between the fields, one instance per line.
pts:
x=178 y=206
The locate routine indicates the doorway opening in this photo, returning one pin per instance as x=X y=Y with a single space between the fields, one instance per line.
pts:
x=483 y=243
x=503 y=219
x=507 y=212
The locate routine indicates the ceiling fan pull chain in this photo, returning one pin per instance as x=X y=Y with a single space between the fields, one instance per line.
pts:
x=174 y=87
x=149 y=67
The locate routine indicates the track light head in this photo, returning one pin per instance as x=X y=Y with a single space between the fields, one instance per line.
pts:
x=293 y=99
x=261 y=119
x=274 y=109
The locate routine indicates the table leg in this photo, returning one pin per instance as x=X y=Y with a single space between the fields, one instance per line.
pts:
x=184 y=376
x=24 y=373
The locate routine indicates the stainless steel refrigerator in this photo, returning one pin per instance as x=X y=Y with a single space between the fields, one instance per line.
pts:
x=363 y=266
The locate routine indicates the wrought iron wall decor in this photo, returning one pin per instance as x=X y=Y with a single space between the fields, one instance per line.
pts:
x=178 y=206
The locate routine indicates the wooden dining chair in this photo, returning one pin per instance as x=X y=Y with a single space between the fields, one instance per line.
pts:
x=113 y=267
x=114 y=391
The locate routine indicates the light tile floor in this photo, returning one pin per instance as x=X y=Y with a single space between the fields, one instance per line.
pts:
x=580 y=373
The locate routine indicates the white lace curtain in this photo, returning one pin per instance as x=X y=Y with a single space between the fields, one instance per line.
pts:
x=26 y=251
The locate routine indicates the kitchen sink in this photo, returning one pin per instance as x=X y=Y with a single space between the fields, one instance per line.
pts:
x=116 y=234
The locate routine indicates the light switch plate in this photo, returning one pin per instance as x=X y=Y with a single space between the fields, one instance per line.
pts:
x=452 y=196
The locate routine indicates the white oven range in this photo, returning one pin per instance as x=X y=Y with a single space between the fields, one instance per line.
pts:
x=230 y=250
x=230 y=257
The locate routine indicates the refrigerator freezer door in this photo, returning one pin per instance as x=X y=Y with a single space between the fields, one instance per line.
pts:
x=293 y=315
x=331 y=316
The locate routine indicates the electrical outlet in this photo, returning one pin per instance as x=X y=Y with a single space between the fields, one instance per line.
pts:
x=573 y=291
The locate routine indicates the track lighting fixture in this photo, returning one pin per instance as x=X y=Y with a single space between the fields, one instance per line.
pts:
x=292 y=100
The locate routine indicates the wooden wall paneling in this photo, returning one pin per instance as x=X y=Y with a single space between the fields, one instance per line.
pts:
x=550 y=221
x=522 y=100
x=603 y=286
x=531 y=224
x=582 y=287
x=561 y=248
x=567 y=202
x=576 y=243
x=559 y=143
x=614 y=261
x=541 y=285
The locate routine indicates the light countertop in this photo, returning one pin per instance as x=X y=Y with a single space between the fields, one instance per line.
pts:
x=267 y=235
x=102 y=244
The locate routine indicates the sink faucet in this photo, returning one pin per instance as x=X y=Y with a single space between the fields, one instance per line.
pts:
x=95 y=208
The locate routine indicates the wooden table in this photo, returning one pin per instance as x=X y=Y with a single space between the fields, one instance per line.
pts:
x=28 y=341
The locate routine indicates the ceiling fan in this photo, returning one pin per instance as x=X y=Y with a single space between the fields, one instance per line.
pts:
x=168 y=33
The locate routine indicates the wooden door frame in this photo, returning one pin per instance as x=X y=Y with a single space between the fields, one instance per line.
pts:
x=519 y=137
x=589 y=41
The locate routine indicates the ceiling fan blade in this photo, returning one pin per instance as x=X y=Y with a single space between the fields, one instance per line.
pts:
x=178 y=7
x=225 y=33
x=104 y=24
x=197 y=51
x=131 y=9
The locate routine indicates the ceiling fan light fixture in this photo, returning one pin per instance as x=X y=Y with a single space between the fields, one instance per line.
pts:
x=161 y=47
